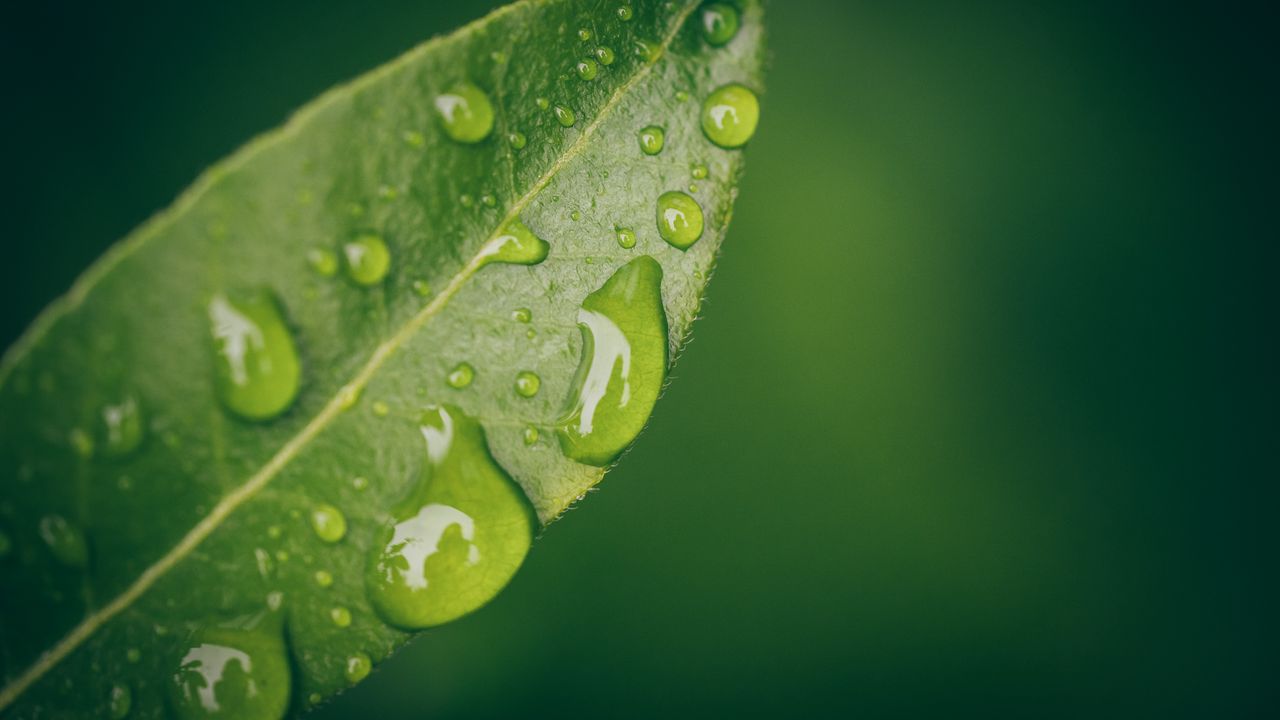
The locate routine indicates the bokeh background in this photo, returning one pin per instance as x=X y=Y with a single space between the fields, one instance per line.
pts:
x=980 y=418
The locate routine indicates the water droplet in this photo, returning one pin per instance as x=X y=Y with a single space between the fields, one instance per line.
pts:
x=682 y=96
x=645 y=50
x=719 y=23
x=314 y=698
x=358 y=667
x=348 y=397
x=522 y=315
x=698 y=171
x=65 y=540
x=359 y=482
x=515 y=243
x=527 y=383
x=461 y=375
x=262 y=559
x=324 y=262
x=119 y=702
x=652 y=139
x=274 y=532
x=624 y=13
x=542 y=103
x=517 y=140
x=564 y=116
x=323 y=578
x=530 y=435
x=275 y=600
x=282 y=556
x=368 y=259
x=466 y=200
x=465 y=113
x=679 y=219
x=605 y=55
x=626 y=238
x=488 y=200
x=328 y=522
x=729 y=116
x=587 y=69
x=584 y=34
x=459 y=536
x=575 y=216
x=387 y=192
x=340 y=616
x=256 y=367
x=623 y=364
x=380 y=408
x=422 y=287
x=81 y=442
x=238 y=670
x=133 y=655
x=531 y=333
x=415 y=139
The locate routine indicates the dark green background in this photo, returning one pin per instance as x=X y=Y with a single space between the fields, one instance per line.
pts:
x=976 y=419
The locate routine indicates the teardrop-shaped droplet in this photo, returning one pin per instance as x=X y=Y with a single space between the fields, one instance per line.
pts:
x=719 y=23
x=514 y=243
x=587 y=69
x=119 y=702
x=530 y=435
x=564 y=116
x=328 y=522
x=527 y=383
x=623 y=364
x=357 y=667
x=460 y=535
x=679 y=219
x=652 y=139
x=626 y=238
x=522 y=315
x=65 y=540
x=368 y=259
x=237 y=670
x=465 y=113
x=256 y=369
x=461 y=375
x=122 y=428
x=729 y=116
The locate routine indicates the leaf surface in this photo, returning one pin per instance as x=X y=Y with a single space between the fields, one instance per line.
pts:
x=213 y=442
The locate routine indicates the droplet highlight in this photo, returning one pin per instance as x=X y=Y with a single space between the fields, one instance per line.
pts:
x=729 y=116
x=679 y=219
x=256 y=368
x=465 y=113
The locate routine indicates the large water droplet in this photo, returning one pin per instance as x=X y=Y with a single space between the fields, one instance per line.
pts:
x=256 y=369
x=719 y=23
x=564 y=116
x=679 y=219
x=122 y=427
x=328 y=522
x=459 y=536
x=65 y=540
x=527 y=383
x=729 y=116
x=237 y=670
x=515 y=243
x=461 y=375
x=623 y=364
x=119 y=702
x=368 y=259
x=465 y=113
x=358 y=667
x=652 y=139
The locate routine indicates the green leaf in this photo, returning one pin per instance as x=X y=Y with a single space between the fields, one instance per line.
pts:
x=327 y=398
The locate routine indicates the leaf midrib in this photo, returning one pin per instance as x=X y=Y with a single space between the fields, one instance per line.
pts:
x=242 y=494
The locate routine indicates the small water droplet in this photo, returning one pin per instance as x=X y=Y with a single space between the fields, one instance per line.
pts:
x=682 y=96
x=340 y=616
x=466 y=200
x=422 y=287
x=623 y=364
x=729 y=116
x=262 y=559
x=387 y=192
x=517 y=140
x=719 y=23
x=314 y=698
x=359 y=482
x=461 y=375
x=358 y=667
x=368 y=259
x=575 y=215
x=515 y=243
x=624 y=13
x=119 y=702
x=522 y=315
x=527 y=383
x=458 y=537
x=605 y=55
x=348 y=397
x=645 y=50
x=380 y=408
x=275 y=532
x=488 y=200
x=679 y=219
x=415 y=139
x=465 y=113
x=257 y=373
x=65 y=540
x=531 y=333
x=323 y=262
x=587 y=69
x=584 y=34
x=564 y=116
x=329 y=523
x=652 y=138
x=542 y=103
x=698 y=171
x=133 y=655
x=282 y=556
x=238 y=670
x=589 y=260
x=626 y=238
x=530 y=435
x=693 y=188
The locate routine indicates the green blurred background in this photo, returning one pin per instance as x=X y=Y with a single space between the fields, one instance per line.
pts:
x=980 y=417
